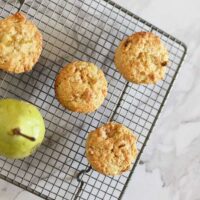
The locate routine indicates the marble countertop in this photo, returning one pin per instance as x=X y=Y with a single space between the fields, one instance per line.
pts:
x=170 y=165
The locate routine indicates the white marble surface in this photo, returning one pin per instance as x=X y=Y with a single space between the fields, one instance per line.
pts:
x=171 y=161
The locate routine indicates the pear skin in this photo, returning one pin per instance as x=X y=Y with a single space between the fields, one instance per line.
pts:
x=22 y=128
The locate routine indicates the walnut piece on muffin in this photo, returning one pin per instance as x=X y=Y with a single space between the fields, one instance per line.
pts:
x=111 y=149
x=20 y=44
x=142 y=58
x=81 y=87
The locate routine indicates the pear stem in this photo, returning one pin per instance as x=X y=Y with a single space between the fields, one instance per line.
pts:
x=16 y=131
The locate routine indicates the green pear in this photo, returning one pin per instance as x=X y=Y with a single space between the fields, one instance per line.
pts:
x=22 y=128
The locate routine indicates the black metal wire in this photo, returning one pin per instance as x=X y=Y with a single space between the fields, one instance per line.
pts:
x=21 y=4
x=81 y=30
x=81 y=173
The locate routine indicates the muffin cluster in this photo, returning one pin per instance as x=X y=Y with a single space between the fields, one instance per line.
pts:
x=81 y=86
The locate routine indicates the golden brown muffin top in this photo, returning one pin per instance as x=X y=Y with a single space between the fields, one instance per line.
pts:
x=20 y=44
x=81 y=87
x=111 y=149
x=142 y=58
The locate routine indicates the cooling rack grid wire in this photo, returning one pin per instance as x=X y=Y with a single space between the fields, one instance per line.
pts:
x=81 y=30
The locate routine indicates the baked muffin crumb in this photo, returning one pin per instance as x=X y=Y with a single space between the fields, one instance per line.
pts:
x=142 y=58
x=111 y=149
x=20 y=44
x=81 y=87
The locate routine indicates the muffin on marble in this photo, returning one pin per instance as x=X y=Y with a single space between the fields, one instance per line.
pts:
x=111 y=149
x=142 y=58
x=81 y=87
x=20 y=44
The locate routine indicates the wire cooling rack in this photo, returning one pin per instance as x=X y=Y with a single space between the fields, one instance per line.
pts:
x=81 y=30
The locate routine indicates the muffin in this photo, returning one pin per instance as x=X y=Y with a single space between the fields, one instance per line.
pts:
x=20 y=44
x=81 y=87
x=142 y=58
x=111 y=149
